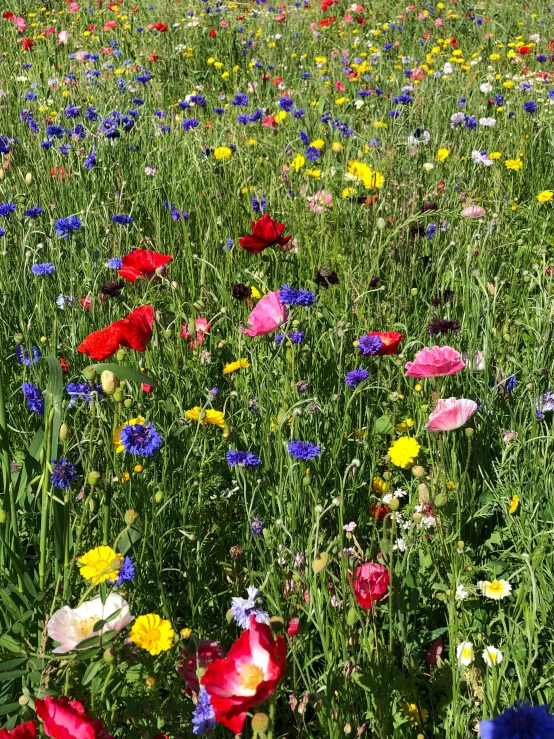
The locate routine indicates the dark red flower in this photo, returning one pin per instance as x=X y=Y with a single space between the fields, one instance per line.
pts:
x=265 y=232
x=213 y=33
x=293 y=627
x=27 y=44
x=23 y=731
x=64 y=365
x=435 y=651
x=379 y=511
x=371 y=582
x=142 y=263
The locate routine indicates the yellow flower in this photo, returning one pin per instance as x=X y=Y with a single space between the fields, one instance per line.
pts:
x=125 y=477
x=403 y=452
x=255 y=293
x=100 y=564
x=416 y=714
x=222 y=152
x=347 y=192
x=495 y=589
x=515 y=164
x=495 y=155
x=208 y=416
x=545 y=196
x=152 y=633
x=514 y=503
x=138 y=468
x=185 y=633
x=418 y=388
x=337 y=147
x=315 y=173
x=442 y=155
x=405 y=425
x=380 y=486
x=234 y=366
x=360 y=171
x=116 y=434
x=318 y=143
x=298 y=162
x=251 y=142
x=281 y=115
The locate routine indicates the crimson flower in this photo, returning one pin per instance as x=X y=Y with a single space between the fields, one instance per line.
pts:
x=159 y=26
x=28 y=44
x=142 y=263
x=371 y=582
x=63 y=718
x=247 y=676
x=265 y=232
x=23 y=731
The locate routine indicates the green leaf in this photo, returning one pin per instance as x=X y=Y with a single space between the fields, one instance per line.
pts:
x=31 y=465
x=11 y=664
x=92 y=671
x=128 y=540
x=54 y=394
x=383 y=425
x=124 y=373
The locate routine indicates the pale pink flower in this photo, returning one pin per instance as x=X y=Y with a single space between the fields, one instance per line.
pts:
x=63 y=37
x=267 y=316
x=438 y=361
x=350 y=526
x=473 y=211
x=202 y=327
x=451 y=414
x=74 y=7
x=80 y=55
x=321 y=201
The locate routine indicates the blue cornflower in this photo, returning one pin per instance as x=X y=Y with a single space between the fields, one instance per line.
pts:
x=243 y=118
x=258 y=206
x=356 y=376
x=521 y=721
x=286 y=103
x=203 y=716
x=303 y=450
x=313 y=153
x=470 y=122
x=115 y=263
x=291 y=296
x=297 y=337
x=530 y=107
x=122 y=220
x=2 y=232
x=72 y=112
x=54 y=132
x=6 y=209
x=395 y=113
x=246 y=459
x=90 y=160
x=126 y=573
x=402 y=99
x=498 y=99
x=304 y=138
x=430 y=230
x=256 y=525
x=240 y=99
x=43 y=270
x=65 y=226
x=64 y=473
x=243 y=608
x=33 y=212
x=81 y=390
x=25 y=357
x=65 y=149
x=140 y=438
x=461 y=102
x=33 y=398
x=369 y=345
x=510 y=383
x=189 y=123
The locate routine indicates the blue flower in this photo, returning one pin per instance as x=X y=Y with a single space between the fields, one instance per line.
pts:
x=126 y=573
x=286 y=103
x=33 y=212
x=64 y=473
x=65 y=226
x=356 y=376
x=140 y=438
x=240 y=100
x=189 y=123
x=313 y=153
x=115 y=263
x=90 y=161
x=43 y=270
x=303 y=450
x=243 y=608
x=6 y=209
x=530 y=107
x=247 y=459
x=522 y=721
x=24 y=357
x=256 y=525
x=122 y=220
x=81 y=390
x=33 y=398
x=292 y=296
x=369 y=345
x=203 y=717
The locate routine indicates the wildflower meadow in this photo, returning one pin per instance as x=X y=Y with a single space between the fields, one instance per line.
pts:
x=276 y=388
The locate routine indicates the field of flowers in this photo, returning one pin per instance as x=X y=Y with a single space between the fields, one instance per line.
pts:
x=276 y=288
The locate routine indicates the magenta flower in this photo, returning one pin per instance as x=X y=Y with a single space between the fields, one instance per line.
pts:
x=438 y=361
x=451 y=414
x=267 y=316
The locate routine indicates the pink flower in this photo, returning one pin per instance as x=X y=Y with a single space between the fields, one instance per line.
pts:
x=438 y=361
x=439 y=21
x=63 y=37
x=320 y=202
x=269 y=121
x=21 y=23
x=267 y=316
x=473 y=211
x=451 y=414
x=350 y=526
x=74 y=7
x=202 y=327
x=371 y=583
x=49 y=31
x=417 y=74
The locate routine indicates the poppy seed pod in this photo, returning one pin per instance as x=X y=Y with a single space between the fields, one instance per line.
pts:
x=108 y=382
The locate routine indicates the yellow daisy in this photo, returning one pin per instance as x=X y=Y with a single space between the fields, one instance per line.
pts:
x=545 y=196
x=100 y=564
x=222 y=152
x=208 y=416
x=234 y=366
x=403 y=452
x=152 y=633
x=514 y=503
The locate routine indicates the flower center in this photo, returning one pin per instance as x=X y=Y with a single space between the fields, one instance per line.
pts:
x=151 y=637
x=250 y=676
x=466 y=653
x=495 y=586
x=85 y=627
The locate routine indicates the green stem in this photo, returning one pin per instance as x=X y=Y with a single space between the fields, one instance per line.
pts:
x=44 y=502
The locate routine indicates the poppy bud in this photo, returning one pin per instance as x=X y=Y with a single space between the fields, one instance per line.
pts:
x=351 y=616
x=93 y=478
x=108 y=656
x=108 y=381
x=18 y=338
x=418 y=471
x=23 y=700
x=260 y=722
x=63 y=431
x=28 y=178
x=90 y=373
x=320 y=563
x=120 y=355
x=128 y=402
x=130 y=517
x=118 y=395
x=293 y=627
x=440 y=500
x=158 y=497
x=3 y=515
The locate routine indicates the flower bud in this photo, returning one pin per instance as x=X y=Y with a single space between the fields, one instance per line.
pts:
x=108 y=656
x=64 y=429
x=28 y=178
x=351 y=616
x=150 y=682
x=185 y=633
x=120 y=355
x=89 y=373
x=118 y=395
x=337 y=147
x=108 y=381
x=18 y=338
x=128 y=402
x=320 y=563
x=159 y=497
x=417 y=517
x=130 y=517
x=413 y=292
x=384 y=546
x=469 y=432
x=423 y=492
x=394 y=504
x=3 y=515
x=93 y=478
x=23 y=700
x=418 y=471
x=440 y=500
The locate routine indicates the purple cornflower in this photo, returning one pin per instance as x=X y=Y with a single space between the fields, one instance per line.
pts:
x=25 y=357
x=522 y=720
x=33 y=398
x=303 y=450
x=292 y=296
x=256 y=525
x=356 y=376
x=203 y=716
x=140 y=438
x=126 y=573
x=43 y=270
x=245 y=459
x=369 y=345
x=64 y=473
x=243 y=608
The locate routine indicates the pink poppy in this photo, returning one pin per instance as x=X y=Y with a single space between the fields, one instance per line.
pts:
x=473 y=211
x=63 y=37
x=267 y=316
x=451 y=414
x=438 y=361
x=21 y=24
x=202 y=327
x=49 y=31
x=74 y=7
x=269 y=121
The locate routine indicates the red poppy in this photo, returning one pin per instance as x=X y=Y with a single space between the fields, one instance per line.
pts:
x=247 y=676
x=65 y=369
x=213 y=33
x=265 y=232
x=371 y=583
x=133 y=332
x=523 y=50
x=276 y=81
x=153 y=57
x=109 y=25
x=28 y=44
x=293 y=627
x=327 y=21
x=136 y=329
x=142 y=263
x=390 y=341
x=379 y=511
x=63 y=718
x=59 y=173
x=8 y=16
x=207 y=652
x=23 y=731
x=159 y=26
